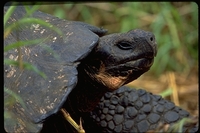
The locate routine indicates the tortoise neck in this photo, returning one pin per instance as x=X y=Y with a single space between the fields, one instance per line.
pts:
x=86 y=95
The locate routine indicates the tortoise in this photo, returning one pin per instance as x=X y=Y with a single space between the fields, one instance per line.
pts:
x=79 y=66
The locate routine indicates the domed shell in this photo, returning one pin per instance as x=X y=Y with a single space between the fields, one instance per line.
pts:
x=56 y=57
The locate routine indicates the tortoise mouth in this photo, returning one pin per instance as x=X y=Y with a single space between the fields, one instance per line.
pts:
x=139 y=67
x=127 y=68
x=139 y=64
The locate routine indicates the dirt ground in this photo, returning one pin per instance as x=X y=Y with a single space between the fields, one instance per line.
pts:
x=184 y=88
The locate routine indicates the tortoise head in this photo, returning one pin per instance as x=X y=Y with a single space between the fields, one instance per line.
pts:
x=121 y=58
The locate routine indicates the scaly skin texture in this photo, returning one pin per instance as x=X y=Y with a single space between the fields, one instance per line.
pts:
x=131 y=110
x=126 y=110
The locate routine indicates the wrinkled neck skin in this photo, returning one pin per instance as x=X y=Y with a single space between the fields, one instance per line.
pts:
x=86 y=95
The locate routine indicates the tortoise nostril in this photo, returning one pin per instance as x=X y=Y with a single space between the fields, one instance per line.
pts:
x=151 y=39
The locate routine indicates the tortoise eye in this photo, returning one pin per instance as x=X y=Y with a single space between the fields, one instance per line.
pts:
x=124 y=45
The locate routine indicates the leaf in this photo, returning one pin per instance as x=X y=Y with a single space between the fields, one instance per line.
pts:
x=166 y=93
x=25 y=65
x=16 y=96
x=8 y=14
x=23 y=21
x=22 y=43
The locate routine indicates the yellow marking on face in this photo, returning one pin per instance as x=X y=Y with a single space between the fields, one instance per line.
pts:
x=111 y=82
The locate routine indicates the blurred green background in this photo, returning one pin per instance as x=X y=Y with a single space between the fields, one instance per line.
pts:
x=175 y=25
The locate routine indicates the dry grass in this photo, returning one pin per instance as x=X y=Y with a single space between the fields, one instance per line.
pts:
x=179 y=88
